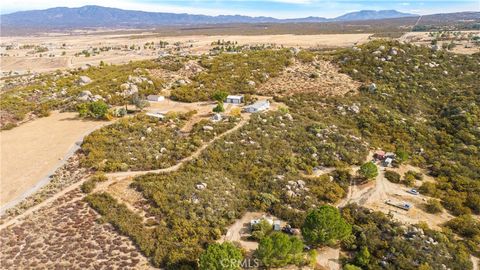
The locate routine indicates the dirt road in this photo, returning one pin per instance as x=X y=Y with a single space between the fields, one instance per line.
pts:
x=114 y=177
x=240 y=229
x=328 y=258
x=30 y=153
x=181 y=162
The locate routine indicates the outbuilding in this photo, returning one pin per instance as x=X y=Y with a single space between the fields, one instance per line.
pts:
x=234 y=99
x=261 y=105
x=155 y=98
x=158 y=115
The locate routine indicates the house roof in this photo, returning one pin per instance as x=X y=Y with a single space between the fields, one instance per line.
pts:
x=259 y=104
x=235 y=96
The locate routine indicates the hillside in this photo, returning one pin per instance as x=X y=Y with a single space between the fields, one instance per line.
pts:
x=97 y=16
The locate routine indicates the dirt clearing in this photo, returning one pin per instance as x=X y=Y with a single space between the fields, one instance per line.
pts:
x=31 y=152
x=319 y=77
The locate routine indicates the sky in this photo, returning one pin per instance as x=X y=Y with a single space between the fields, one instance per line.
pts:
x=272 y=8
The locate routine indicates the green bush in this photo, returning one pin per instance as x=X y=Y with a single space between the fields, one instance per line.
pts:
x=95 y=109
x=433 y=206
x=392 y=176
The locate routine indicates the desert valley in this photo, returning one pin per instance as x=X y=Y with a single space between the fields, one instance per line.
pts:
x=353 y=145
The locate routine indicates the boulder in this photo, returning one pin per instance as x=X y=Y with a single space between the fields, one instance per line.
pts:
x=355 y=109
x=84 y=80
x=201 y=186
x=207 y=128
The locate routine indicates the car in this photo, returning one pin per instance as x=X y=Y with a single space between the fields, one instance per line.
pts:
x=413 y=191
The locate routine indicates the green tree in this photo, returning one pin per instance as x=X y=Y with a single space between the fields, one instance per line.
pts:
x=223 y=256
x=369 y=170
x=262 y=229
x=279 y=249
x=363 y=257
x=220 y=96
x=325 y=225
x=219 y=108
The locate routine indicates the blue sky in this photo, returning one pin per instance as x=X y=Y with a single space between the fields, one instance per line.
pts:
x=273 y=8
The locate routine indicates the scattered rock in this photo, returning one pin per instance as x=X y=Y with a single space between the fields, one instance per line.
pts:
x=84 y=80
x=201 y=186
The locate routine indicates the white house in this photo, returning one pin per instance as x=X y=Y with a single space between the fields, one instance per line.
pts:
x=155 y=98
x=258 y=106
x=234 y=99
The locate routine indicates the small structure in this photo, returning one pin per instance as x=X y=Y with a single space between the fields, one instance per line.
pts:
x=390 y=155
x=379 y=155
x=234 y=99
x=277 y=225
x=159 y=116
x=155 y=98
x=254 y=222
x=217 y=117
x=387 y=162
x=258 y=106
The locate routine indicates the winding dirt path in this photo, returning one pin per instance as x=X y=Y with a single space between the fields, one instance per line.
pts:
x=181 y=162
x=113 y=177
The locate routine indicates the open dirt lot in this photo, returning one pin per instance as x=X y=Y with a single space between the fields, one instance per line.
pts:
x=62 y=49
x=374 y=194
x=240 y=230
x=32 y=151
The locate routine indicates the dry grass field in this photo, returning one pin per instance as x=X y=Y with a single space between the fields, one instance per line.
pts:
x=61 y=50
x=35 y=149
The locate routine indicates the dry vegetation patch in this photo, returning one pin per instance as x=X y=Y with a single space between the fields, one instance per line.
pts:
x=67 y=236
x=319 y=76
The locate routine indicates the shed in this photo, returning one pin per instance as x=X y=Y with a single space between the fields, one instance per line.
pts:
x=379 y=154
x=258 y=106
x=155 y=98
x=234 y=99
x=276 y=225
x=157 y=115
x=390 y=155
x=387 y=162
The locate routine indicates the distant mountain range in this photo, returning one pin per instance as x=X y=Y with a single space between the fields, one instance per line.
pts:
x=97 y=16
